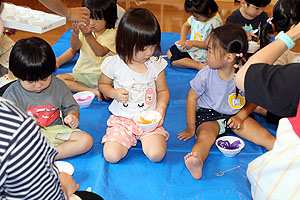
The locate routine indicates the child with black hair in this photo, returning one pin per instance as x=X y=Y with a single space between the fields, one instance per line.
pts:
x=46 y=98
x=208 y=108
x=139 y=85
x=191 y=53
x=250 y=15
x=95 y=41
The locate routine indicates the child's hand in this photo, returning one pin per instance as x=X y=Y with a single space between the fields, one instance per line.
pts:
x=75 y=27
x=234 y=122
x=71 y=120
x=187 y=134
x=121 y=95
x=85 y=29
x=180 y=42
x=188 y=44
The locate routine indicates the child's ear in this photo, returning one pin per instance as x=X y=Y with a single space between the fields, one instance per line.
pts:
x=230 y=57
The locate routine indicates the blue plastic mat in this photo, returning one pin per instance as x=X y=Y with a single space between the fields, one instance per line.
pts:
x=135 y=177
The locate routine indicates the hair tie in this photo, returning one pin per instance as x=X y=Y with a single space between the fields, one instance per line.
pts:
x=239 y=55
x=269 y=20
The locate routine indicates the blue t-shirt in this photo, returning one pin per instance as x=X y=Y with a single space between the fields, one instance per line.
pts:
x=215 y=93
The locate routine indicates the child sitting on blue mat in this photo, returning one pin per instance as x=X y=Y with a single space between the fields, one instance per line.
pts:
x=46 y=98
x=214 y=103
x=192 y=53
x=139 y=85
x=96 y=42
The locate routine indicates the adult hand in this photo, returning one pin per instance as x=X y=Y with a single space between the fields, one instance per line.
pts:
x=68 y=184
x=80 y=14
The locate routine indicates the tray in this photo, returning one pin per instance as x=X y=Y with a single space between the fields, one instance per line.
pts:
x=27 y=19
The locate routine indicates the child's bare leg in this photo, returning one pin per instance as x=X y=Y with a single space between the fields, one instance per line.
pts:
x=78 y=143
x=77 y=87
x=113 y=152
x=188 y=63
x=252 y=131
x=67 y=56
x=154 y=147
x=207 y=133
x=260 y=110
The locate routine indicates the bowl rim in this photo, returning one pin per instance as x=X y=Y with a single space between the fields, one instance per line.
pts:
x=157 y=121
x=81 y=92
x=230 y=150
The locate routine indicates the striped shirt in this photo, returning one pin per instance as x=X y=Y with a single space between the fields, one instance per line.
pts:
x=27 y=168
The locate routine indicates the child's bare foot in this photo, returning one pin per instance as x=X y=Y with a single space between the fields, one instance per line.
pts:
x=97 y=93
x=194 y=164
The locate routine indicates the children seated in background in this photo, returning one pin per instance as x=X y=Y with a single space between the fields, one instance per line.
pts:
x=45 y=97
x=192 y=53
x=250 y=16
x=139 y=85
x=96 y=42
x=214 y=102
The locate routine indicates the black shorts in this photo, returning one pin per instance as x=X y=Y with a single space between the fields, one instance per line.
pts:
x=177 y=55
x=204 y=115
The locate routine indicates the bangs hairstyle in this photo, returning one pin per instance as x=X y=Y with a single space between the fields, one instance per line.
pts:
x=32 y=59
x=231 y=38
x=103 y=9
x=206 y=8
x=137 y=29
x=259 y=3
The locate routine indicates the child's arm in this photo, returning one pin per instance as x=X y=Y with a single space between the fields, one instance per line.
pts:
x=194 y=43
x=97 y=48
x=75 y=43
x=163 y=95
x=235 y=121
x=191 y=106
x=105 y=86
x=65 y=57
x=183 y=33
x=72 y=119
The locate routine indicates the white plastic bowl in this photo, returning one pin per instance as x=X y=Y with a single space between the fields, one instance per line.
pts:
x=148 y=115
x=253 y=46
x=230 y=152
x=64 y=166
x=84 y=98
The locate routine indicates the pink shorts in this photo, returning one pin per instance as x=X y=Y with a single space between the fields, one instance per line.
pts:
x=124 y=131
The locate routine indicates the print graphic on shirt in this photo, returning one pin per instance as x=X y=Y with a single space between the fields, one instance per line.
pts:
x=99 y=58
x=46 y=114
x=141 y=96
x=198 y=37
x=236 y=103
x=248 y=28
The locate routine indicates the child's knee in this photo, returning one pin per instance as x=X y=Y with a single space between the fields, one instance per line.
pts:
x=156 y=154
x=112 y=153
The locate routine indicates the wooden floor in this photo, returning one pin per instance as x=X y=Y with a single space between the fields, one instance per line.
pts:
x=170 y=14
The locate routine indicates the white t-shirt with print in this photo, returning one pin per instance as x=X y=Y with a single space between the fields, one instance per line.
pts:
x=141 y=86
